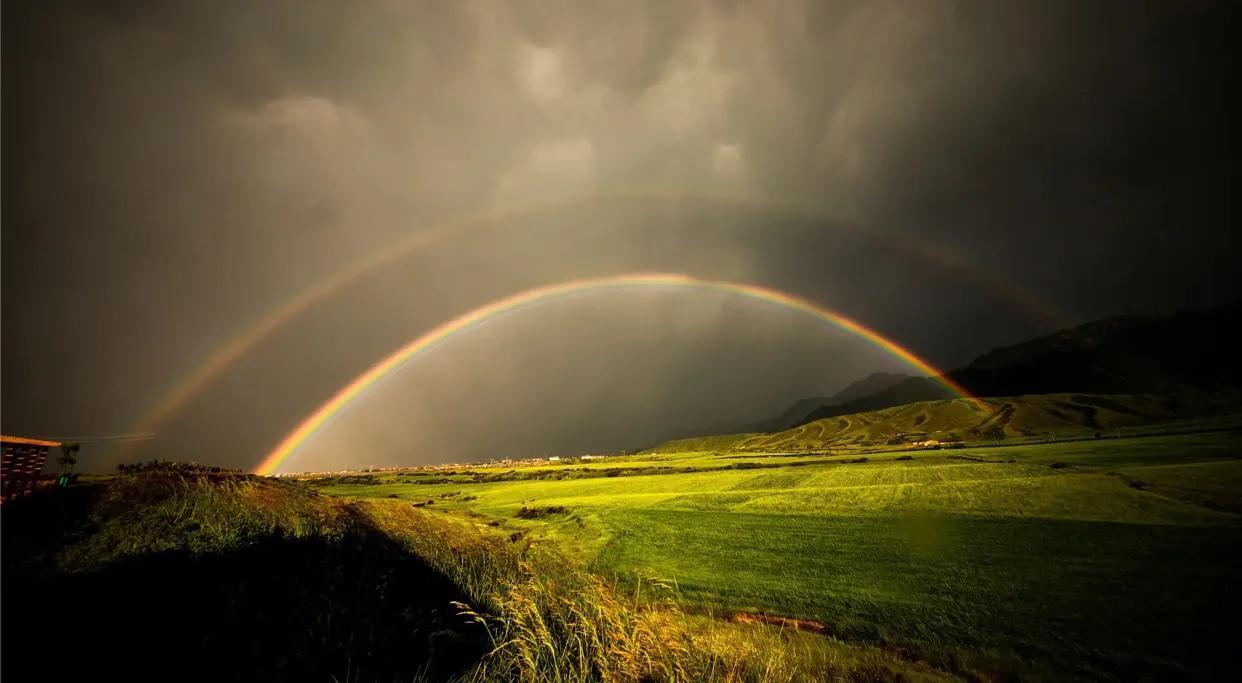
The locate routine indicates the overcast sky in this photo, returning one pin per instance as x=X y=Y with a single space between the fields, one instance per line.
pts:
x=956 y=175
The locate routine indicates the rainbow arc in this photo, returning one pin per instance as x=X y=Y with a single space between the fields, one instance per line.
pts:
x=394 y=361
x=230 y=352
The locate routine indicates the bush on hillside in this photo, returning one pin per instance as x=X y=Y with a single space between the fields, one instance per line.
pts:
x=537 y=512
x=169 y=466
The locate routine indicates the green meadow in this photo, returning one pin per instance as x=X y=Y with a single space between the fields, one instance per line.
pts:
x=1081 y=558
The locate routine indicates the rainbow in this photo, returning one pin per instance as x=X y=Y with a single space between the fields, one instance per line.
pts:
x=509 y=304
x=185 y=389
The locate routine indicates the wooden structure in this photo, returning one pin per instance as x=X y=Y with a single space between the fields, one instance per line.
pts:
x=21 y=464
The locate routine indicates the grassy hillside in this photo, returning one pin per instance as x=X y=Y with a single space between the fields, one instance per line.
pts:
x=178 y=574
x=911 y=390
x=720 y=442
x=1107 y=558
x=797 y=413
x=1019 y=418
x=181 y=574
x=1093 y=558
x=1136 y=354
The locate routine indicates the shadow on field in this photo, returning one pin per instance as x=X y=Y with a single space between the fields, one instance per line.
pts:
x=353 y=608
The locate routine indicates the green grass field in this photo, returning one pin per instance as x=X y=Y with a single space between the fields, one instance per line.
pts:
x=1098 y=558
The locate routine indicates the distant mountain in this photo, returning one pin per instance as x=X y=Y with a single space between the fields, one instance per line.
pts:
x=1192 y=355
x=797 y=413
x=909 y=390
x=1196 y=350
x=1134 y=354
x=718 y=427
x=873 y=383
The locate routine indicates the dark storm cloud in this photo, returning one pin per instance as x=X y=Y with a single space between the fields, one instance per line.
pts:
x=174 y=170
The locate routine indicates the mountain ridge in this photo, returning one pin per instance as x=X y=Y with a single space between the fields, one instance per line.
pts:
x=796 y=414
x=958 y=421
x=1126 y=354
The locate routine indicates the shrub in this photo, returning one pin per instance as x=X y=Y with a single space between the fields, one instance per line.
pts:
x=537 y=512
x=169 y=466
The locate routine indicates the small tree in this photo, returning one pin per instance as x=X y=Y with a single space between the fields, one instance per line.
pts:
x=68 y=457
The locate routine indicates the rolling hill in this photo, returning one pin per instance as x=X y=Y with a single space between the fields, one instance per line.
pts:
x=1134 y=354
x=1195 y=350
x=950 y=421
x=910 y=390
x=182 y=573
x=796 y=414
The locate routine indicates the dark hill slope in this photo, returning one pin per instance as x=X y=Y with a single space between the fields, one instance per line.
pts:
x=876 y=381
x=1188 y=351
x=183 y=575
x=796 y=414
x=909 y=390
x=1014 y=419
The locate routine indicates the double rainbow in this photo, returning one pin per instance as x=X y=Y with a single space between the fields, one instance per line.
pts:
x=539 y=295
x=186 y=388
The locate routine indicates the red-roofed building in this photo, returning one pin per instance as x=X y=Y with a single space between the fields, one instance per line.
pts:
x=21 y=464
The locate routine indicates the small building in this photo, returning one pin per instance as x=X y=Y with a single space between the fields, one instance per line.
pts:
x=21 y=464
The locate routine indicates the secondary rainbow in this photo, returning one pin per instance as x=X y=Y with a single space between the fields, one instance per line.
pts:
x=183 y=390
x=481 y=315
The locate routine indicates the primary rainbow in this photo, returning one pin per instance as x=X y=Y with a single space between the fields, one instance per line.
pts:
x=508 y=304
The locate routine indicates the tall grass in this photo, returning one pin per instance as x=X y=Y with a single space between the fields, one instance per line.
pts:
x=566 y=626
x=548 y=619
x=201 y=512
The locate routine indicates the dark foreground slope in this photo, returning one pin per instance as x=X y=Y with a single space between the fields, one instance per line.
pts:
x=197 y=576
x=177 y=574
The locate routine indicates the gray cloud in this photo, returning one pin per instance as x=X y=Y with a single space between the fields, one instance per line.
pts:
x=174 y=171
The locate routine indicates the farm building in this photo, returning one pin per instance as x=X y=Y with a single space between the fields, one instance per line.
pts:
x=21 y=464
